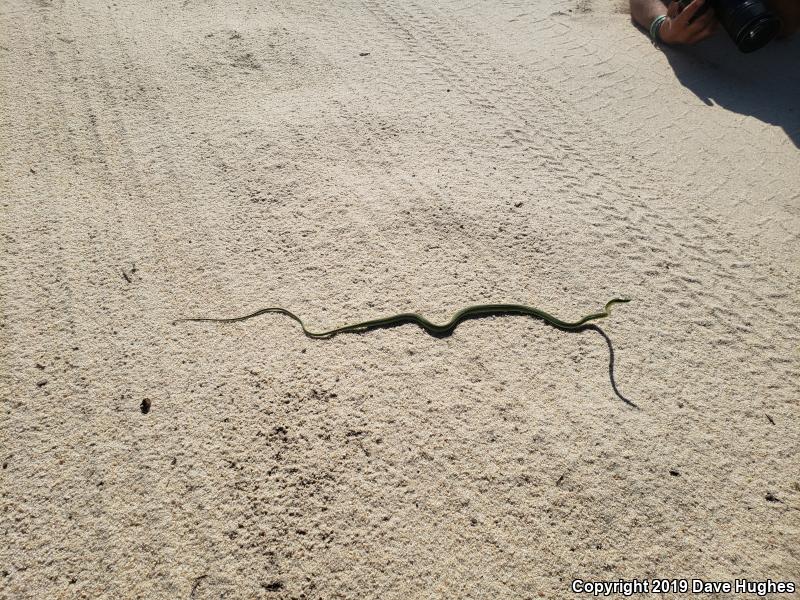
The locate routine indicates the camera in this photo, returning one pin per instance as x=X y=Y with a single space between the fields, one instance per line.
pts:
x=750 y=23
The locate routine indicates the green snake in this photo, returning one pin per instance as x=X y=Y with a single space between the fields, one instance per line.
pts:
x=471 y=312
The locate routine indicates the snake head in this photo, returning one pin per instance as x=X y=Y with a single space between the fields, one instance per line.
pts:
x=614 y=301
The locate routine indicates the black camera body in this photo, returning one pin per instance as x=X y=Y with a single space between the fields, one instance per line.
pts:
x=750 y=23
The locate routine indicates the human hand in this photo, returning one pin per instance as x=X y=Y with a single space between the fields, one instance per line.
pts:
x=679 y=28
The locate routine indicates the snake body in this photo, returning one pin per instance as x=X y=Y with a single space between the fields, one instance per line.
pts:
x=478 y=310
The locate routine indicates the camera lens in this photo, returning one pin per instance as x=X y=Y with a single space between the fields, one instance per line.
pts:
x=748 y=22
x=757 y=34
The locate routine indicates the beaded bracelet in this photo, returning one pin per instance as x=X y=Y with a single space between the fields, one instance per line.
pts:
x=655 y=27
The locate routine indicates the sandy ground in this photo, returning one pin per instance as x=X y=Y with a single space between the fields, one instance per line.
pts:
x=350 y=160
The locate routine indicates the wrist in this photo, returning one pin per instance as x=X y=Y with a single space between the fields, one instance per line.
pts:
x=655 y=28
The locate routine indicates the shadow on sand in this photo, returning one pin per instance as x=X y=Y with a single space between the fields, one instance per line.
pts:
x=582 y=328
x=764 y=84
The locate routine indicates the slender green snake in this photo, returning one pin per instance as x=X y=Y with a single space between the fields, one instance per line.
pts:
x=478 y=310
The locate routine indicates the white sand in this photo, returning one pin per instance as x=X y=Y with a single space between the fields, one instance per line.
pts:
x=227 y=158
